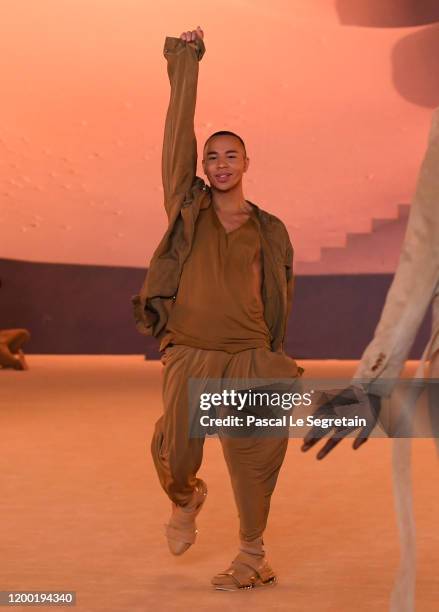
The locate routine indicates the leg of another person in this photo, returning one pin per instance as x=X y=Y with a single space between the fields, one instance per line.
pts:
x=11 y=341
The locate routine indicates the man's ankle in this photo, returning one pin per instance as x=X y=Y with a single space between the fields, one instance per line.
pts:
x=253 y=547
x=198 y=495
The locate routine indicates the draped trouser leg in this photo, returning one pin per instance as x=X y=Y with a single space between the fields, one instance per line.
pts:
x=253 y=465
x=253 y=462
x=177 y=456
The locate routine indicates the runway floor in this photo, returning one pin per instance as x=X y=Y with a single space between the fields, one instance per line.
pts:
x=81 y=508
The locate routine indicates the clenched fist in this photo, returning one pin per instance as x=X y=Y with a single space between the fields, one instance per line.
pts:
x=191 y=37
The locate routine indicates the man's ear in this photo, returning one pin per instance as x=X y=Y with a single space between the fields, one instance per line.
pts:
x=203 y=163
x=246 y=164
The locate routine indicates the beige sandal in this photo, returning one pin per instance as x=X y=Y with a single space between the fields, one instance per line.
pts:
x=245 y=572
x=181 y=531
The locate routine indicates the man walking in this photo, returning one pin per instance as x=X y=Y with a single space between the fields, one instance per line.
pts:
x=217 y=295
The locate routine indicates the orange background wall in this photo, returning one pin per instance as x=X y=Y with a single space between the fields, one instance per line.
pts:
x=335 y=118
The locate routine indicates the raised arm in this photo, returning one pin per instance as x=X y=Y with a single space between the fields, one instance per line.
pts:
x=179 y=155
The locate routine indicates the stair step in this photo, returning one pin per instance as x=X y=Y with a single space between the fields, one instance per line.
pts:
x=379 y=223
x=378 y=249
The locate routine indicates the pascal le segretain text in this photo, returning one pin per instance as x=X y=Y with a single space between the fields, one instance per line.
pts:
x=282 y=421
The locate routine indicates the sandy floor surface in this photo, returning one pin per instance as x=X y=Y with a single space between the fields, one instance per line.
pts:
x=81 y=508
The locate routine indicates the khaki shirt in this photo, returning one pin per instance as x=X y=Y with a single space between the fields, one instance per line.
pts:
x=185 y=195
x=219 y=304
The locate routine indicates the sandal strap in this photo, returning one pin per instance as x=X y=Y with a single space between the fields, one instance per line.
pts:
x=182 y=525
x=259 y=565
x=240 y=566
x=240 y=582
x=200 y=496
x=186 y=535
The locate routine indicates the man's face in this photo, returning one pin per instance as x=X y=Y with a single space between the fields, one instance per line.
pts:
x=224 y=162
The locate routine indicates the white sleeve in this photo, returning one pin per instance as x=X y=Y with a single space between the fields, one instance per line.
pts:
x=415 y=282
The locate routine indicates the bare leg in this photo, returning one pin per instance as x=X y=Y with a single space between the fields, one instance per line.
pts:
x=11 y=355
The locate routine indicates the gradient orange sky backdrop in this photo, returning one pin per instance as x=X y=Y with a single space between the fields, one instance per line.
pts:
x=332 y=141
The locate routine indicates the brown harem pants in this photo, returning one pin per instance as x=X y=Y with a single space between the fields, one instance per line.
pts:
x=253 y=462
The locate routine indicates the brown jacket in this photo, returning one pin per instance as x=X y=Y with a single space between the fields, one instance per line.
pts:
x=184 y=195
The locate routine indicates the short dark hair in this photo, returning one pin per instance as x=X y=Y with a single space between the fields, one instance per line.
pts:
x=226 y=133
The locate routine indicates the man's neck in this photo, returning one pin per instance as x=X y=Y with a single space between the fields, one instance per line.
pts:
x=231 y=201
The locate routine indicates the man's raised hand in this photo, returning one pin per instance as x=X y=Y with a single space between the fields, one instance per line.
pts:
x=191 y=36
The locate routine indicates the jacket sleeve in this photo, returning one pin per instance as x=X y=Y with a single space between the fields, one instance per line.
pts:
x=414 y=284
x=179 y=153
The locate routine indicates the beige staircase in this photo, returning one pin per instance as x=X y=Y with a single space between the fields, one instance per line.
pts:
x=374 y=252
